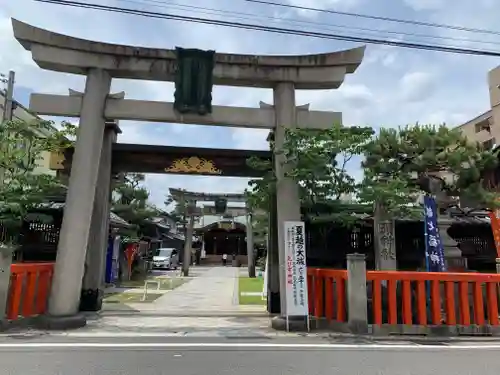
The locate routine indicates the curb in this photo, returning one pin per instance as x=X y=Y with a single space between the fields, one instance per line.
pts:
x=180 y=314
x=396 y=338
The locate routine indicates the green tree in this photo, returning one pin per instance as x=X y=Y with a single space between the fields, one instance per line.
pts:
x=130 y=201
x=23 y=145
x=400 y=162
x=318 y=160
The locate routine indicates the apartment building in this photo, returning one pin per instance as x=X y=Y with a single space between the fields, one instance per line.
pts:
x=485 y=128
x=22 y=113
x=481 y=129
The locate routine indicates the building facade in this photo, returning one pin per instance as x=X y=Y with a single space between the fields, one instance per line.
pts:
x=23 y=114
x=485 y=128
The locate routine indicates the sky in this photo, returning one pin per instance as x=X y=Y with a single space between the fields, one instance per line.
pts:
x=392 y=87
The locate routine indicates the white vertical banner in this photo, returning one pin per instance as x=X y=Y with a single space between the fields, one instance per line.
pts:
x=295 y=269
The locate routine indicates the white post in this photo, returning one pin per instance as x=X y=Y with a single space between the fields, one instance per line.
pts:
x=287 y=190
x=68 y=272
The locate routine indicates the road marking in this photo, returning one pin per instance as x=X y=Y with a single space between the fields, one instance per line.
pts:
x=208 y=345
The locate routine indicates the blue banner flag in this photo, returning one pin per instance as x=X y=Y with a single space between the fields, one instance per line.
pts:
x=434 y=251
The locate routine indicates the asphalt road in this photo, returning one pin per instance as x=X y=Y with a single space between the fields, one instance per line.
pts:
x=188 y=358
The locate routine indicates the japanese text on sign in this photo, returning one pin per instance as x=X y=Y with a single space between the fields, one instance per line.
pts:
x=296 y=272
x=434 y=251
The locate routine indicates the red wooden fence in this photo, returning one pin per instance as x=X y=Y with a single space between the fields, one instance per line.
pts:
x=29 y=289
x=327 y=293
x=425 y=297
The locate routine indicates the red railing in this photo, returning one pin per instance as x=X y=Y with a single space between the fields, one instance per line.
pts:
x=29 y=289
x=326 y=290
x=409 y=298
x=434 y=298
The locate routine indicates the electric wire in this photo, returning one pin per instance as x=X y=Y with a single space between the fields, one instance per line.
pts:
x=272 y=29
x=327 y=26
x=380 y=18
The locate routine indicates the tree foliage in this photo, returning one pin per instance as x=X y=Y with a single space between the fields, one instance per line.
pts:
x=130 y=201
x=23 y=145
x=399 y=162
x=318 y=160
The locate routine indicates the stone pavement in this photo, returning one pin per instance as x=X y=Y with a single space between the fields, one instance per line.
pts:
x=206 y=305
x=214 y=289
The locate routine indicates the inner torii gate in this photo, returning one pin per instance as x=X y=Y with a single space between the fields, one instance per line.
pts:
x=190 y=199
x=101 y=62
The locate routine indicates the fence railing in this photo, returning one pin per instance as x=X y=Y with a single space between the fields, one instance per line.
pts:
x=434 y=298
x=29 y=289
x=327 y=293
x=406 y=298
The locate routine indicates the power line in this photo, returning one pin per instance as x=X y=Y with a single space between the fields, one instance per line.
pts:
x=380 y=18
x=329 y=26
x=276 y=30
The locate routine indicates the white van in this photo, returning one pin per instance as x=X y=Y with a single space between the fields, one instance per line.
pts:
x=166 y=258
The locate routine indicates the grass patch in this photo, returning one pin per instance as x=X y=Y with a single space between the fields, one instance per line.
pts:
x=251 y=300
x=130 y=297
x=250 y=285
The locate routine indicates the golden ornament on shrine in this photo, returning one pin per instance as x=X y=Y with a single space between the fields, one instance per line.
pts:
x=193 y=165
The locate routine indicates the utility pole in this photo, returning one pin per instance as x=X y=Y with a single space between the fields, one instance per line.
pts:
x=8 y=107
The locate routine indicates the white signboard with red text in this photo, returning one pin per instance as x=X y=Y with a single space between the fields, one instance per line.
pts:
x=296 y=272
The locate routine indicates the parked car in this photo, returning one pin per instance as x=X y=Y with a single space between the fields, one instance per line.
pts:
x=166 y=258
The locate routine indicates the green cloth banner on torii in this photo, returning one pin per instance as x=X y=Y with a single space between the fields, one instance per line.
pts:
x=194 y=82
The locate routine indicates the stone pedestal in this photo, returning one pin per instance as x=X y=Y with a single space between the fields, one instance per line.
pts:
x=453 y=259
x=384 y=236
x=64 y=298
x=356 y=294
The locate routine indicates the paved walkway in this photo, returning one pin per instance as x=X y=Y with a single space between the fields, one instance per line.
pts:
x=215 y=289
x=206 y=305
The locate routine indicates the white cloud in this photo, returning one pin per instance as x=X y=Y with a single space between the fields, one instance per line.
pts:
x=323 y=5
x=425 y=4
x=391 y=87
x=416 y=86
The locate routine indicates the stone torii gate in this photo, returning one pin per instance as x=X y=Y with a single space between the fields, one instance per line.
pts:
x=101 y=62
x=190 y=199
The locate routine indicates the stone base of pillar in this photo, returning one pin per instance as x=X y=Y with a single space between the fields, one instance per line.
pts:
x=91 y=299
x=273 y=302
x=295 y=323
x=358 y=327
x=455 y=264
x=62 y=323
x=251 y=271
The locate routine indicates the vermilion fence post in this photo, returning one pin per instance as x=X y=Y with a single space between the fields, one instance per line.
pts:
x=405 y=300
x=28 y=289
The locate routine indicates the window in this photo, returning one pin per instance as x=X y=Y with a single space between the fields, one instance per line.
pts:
x=489 y=144
x=483 y=125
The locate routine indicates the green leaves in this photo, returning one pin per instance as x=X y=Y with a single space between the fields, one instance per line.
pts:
x=318 y=159
x=130 y=201
x=23 y=147
x=397 y=158
x=396 y=162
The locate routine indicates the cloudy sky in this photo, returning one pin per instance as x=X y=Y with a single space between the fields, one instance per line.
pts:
x=393 y=86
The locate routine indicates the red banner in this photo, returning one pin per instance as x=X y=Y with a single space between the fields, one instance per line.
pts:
x=495 y=227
